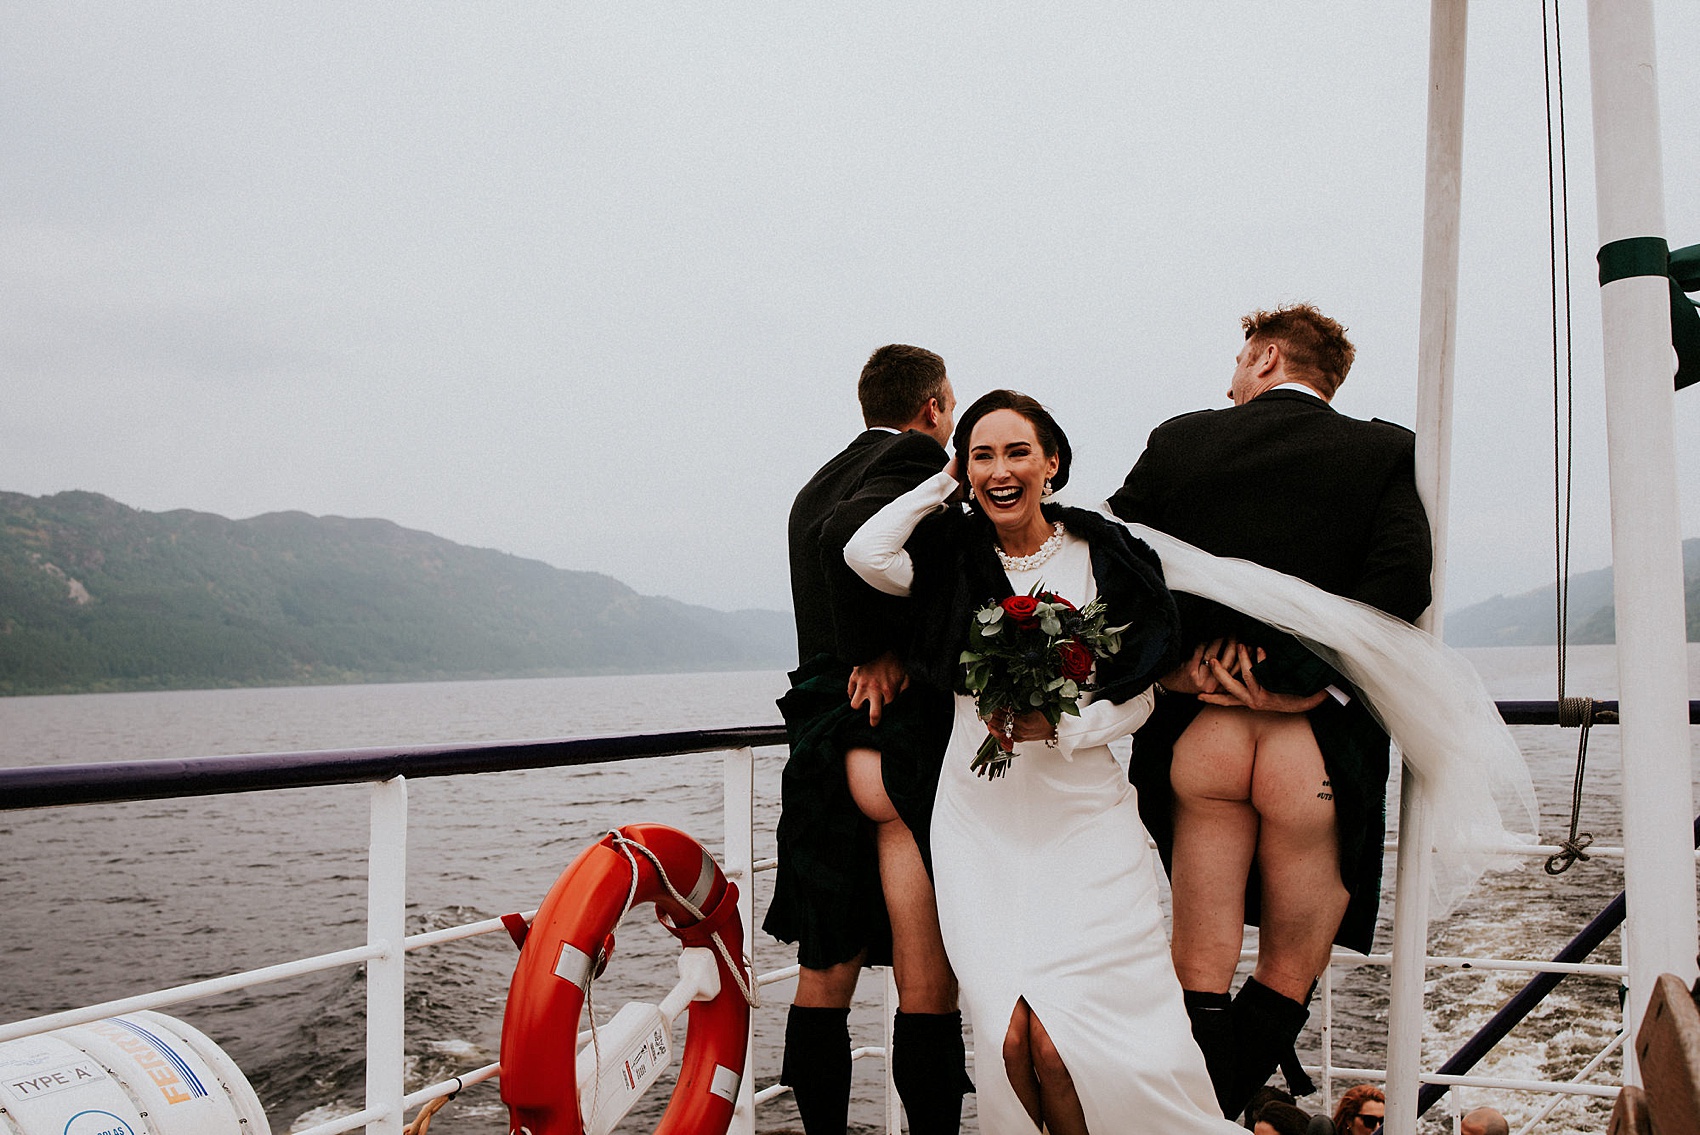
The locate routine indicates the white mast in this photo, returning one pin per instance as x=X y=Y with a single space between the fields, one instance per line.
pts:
x=1436 y=343
x=1658 y=809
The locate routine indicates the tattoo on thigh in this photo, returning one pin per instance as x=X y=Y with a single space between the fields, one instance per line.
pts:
x=1327 y=792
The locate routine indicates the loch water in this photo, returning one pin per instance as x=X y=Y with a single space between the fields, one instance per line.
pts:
x=103 y=901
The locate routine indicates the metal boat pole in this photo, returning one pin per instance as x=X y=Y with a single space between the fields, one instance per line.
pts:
x=386 y=975
x=1436 y=348
x=738 y=796
x=1646 y=535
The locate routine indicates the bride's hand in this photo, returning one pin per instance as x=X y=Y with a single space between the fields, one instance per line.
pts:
x=1195 y=676
x=1239 y=688
x=1029 y=726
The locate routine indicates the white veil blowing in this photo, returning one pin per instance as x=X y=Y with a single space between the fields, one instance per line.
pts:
x=1426 y=695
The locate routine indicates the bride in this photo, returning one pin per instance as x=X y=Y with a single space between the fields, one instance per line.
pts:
x=1047 y=888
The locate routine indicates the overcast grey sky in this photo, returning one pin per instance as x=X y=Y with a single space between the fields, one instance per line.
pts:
x=592 y=283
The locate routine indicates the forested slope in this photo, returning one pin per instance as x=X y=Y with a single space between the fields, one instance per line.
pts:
x=1529 y=619
x=98 y=596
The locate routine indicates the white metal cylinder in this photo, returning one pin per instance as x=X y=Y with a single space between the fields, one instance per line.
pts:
x=1437 y=319
x=138 y=1074
x=1658 y=806
x=1436 y=349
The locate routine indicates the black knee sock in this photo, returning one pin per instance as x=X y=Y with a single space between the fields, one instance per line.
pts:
x=817 y=1067
x=1265 y=1025
x=1212 y=1028
x=929 y=1069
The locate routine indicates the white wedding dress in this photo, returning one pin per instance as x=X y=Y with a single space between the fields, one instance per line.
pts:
x=1047 y=890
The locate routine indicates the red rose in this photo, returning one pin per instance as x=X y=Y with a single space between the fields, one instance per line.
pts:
x=1076 y=659
x=1021 y=609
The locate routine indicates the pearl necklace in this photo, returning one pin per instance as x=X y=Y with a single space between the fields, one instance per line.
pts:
x=1028 y=563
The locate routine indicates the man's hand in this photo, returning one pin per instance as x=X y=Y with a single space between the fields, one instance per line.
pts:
x=876 y=684
x=1238 y=687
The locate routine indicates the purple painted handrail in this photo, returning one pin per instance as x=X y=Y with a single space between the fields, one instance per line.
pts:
x=43 y=786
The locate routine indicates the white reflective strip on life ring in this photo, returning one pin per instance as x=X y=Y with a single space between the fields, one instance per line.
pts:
x=705 y=881
x=574 y=965
x=725 y=1083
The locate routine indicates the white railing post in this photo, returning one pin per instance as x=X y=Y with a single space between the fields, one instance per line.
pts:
x=738 y=824
x=893 y=1104
x=1646 y=534
x=386 y=929
x=1409 y=971
x=1437 y=338
x=1328 y=1038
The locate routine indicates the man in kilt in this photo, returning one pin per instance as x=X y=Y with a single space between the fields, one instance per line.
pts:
x=853 y=885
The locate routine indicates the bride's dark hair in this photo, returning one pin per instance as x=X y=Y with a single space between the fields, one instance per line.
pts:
x=1051 y=437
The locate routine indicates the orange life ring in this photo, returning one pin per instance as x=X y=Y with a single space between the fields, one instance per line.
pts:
x=568 y=945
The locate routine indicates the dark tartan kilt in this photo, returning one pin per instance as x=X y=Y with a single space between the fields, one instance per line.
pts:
x=827 y=895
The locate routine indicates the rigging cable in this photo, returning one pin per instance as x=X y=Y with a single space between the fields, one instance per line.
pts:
x=1572 y=712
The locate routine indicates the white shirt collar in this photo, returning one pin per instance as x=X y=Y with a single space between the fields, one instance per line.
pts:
x=1299 y=386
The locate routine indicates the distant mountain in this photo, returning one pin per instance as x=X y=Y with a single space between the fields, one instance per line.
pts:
x=1530 y=619
x=98 y=596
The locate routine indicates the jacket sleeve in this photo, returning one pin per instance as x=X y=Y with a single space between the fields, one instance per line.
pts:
x=1398 y=567
x=1144 y=491
x=1291 y=668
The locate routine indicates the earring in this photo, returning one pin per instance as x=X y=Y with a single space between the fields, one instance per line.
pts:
x=1047 y=491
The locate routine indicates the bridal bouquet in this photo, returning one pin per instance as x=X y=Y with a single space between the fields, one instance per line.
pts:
x=1033 y=651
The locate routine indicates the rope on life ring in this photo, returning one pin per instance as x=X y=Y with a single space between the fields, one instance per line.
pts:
x=569 y=945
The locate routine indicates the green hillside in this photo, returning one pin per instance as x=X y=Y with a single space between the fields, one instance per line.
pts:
x=98 y=596
x=1530 y=619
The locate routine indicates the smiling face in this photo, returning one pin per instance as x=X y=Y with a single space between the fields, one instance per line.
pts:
x=1007 y=471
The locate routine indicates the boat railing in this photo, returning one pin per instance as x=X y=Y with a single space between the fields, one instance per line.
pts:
x=388 y=770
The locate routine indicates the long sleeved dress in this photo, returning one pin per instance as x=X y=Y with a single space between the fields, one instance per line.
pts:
x=1047 y=888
